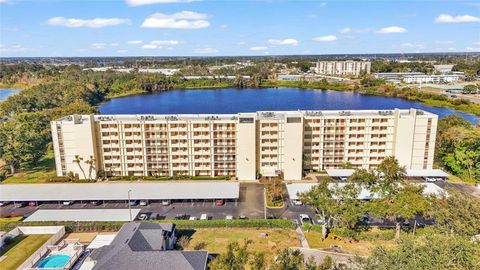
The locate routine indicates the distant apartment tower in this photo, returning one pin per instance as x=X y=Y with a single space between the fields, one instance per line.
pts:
x=349 y=67
x=242 y=145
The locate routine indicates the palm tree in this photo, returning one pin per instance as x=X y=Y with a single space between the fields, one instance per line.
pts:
x=77 y=160
x=91 y=163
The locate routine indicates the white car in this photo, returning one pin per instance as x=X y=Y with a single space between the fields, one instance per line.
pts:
x=4 y=203
x=143 y=203
x=229 y=217
x=203 y=217
x=165 y=202
x=304 y=218
x=143 y=217
x=430 y=179
x=192 y=218
x=68 y=202
x=297 y=202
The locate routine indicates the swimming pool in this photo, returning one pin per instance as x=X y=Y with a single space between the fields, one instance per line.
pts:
x=55 y=261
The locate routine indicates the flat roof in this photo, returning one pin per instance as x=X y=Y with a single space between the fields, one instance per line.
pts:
x=119 y=191
x=82 y=215
x=365 y=194
x=410 y=173
x=101 y=240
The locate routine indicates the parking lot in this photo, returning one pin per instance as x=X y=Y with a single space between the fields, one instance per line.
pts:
x=250 y=205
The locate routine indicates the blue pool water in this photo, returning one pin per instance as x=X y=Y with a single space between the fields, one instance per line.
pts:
x=55 y=261
x=5 y=93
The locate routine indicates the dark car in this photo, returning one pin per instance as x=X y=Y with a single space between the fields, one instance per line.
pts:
x=96 y=202
x=21 y=204
x=219 y=202
x=32 y=204
x=181 y=217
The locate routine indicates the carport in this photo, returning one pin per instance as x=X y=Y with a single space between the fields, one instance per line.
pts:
x=84 y=215
x=120 y=191
x=340 y=174
x=434 y=173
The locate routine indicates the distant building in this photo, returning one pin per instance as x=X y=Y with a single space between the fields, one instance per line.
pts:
x=288 y=77
x=349 y=67
x=443 y=68
x=419 y=78
x=146 y=246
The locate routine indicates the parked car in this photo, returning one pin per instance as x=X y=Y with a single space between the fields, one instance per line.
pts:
x=219 y=202
x=21 y=204
x=68 y=202
x=182 y=217
x=32 y=204
x=192 y=218
x=229 y=217
x=133 y=203
x=304 y=218
x=166 y=202
x=297 y=202
x=271 y=216
x=203 y=217
x=430 y=179
x=143 y=217
x=143 y=203
x=96 y=202
x=242 y=217
x=4 y=203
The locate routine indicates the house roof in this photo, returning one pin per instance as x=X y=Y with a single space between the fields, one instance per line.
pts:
x=140 y=246
x=120 y=191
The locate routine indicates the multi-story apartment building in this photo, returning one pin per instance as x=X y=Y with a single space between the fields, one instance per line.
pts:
x=243 y=145
x=353 y=68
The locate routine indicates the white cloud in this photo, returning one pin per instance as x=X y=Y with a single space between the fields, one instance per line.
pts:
x=447 y=18
x=223 y=26
x=150 y=46
x=477 y=43
x=13 y=49
x=346 y=30
x=206 y=50
x=259 y=48
x=179 y=20
x=288 y=41
x=92 y=23
x=451 y=49
x=328 y=38
x=473 y=49
x=165 y=42
x=121 y=51
x=135 y=3
x=417 y=45
x=392 y=29
x=134 y=42
x=323 y=4
x=114 y=44
x=98 y=46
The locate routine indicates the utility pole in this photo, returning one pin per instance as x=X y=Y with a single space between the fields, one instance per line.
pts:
x=129 y=206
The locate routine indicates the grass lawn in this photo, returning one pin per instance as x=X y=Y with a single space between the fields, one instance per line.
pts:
x=215 y=240
x=22 y=247
x=361 y=248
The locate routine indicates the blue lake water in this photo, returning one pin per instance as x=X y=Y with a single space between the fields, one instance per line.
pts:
x=5 y=93
x=232 y=100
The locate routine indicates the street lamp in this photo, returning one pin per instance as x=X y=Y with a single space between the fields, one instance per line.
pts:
x=129 y=206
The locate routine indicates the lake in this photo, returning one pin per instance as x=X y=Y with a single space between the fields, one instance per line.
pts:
x=233 y=100
x=5 y=93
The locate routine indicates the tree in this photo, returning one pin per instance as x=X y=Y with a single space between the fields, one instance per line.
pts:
x=288 y=259
x=470 y=89
x=78 y=160
x=91 y=166
x=320 y=199
x=403 y=203
x=24 y=139
x=258 y=261
x=235 y=257
x=430 y=253
x=458 y=214
x=391 y=171
x=364 y=177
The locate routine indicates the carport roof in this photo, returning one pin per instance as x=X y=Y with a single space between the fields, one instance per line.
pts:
x=82 y=215
x=340 y=172
x=410 y=173
x=119 y=191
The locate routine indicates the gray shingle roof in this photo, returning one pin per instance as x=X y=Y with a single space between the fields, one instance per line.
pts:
x=142 y=246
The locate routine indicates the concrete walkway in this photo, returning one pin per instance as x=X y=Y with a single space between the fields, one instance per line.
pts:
x=302 y=237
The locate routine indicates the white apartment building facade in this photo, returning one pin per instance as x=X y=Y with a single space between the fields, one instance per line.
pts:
x=243 y=145
x=349 y=67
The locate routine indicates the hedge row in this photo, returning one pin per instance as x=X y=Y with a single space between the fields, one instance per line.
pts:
x=64 y=179
x=181 y=224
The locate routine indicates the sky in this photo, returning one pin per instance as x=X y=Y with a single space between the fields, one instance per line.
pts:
x=234 y=28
